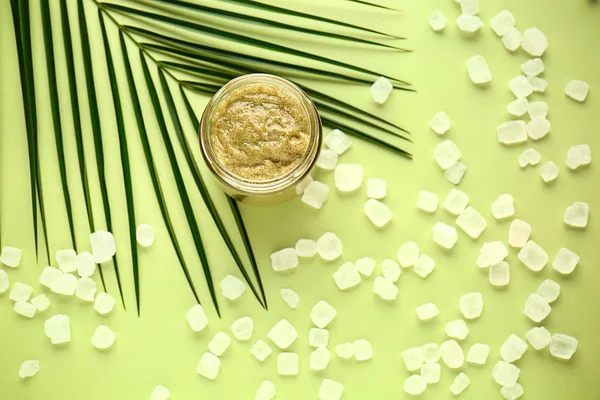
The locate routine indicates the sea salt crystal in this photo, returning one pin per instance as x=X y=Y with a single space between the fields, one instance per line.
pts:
x=58 y=329
x=104 y=303
x=578 y=156
x=444 y=235
x=408 y=254
x=195 y=316
x=539 y=85
x=452 y=354
x=315 y=194
x=319 y=359
x=456 y=201
x=337 y=141
x=290 y=297
x=29 y=368
x=329 y=246
x=504 y=206
x=446 y=154
x=512 y=132
x=66 y=260
x=533 y=256
x=502 y=21
x=365 y=265
x=529 y=157
x=519 y=233
x=345 y=351
x=469 y=7
x=471 y=222
x=86 y=289
x=437 y=20
x=160 y=393
x=209 y=366
x=499 y=274
x=427 y=311
x=478 y=353
x=390 y=270
x=478 y=69
x=41 y=302
x=145 y=235
x=232 y=287
x=520 y=86
x=86 y=266
x=427 y=201
x=538 y=109
x=471 y=305
x=303 y=184
x=4 y=281
x=512 y=39
x=376 y=188
x=431 y=372
x=381 y=90
x=455 y=173
x=283 y=334
x=261 y=350
x=533 y=67
x=424 y=265
x=518 y=107
x=348 y=177
x=431 y=352
x=306 y=248
x=457 y=329
x=20 y=292
x=49 y=275
x=563 y=346
x=549 y=290
x=536 y=308
x=322 y=314
x=288 y=364
x=538 y=128
x=219 y=343
x=25 y=309
x=576 y=215
x=66 y=284
x=330 y=390
x=327 y=159
x=103 y=337
x=318 y=337
x=440 y=123
x=243 y=328
x=413 y=358
x=266 y=391
x=385 y=288
x=362 y=350
x=534 y=42
x=513 y=348
x=538 y=337
x=565 y=261
x=577 y=90
x=415 y=385
x=103 y=246
x=513 y=392
x=460 y=383
x=505 y=374
x=491 y=253
x=377 y=212
x=11 y=256
x=469 y=23
x=284 y=259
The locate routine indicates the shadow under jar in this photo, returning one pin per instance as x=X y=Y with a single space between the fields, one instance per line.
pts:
x=260 y=136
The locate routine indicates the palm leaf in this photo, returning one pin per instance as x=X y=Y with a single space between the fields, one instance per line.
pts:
x=373 y=5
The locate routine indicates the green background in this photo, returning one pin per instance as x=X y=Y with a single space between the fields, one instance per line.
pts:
x=159 y=347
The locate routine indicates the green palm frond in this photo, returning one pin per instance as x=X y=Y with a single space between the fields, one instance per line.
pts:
x=196 y=48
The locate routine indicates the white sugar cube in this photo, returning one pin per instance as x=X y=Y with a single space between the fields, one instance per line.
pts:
x=232 y=288
x=365 y=265
x=538 y=337
x=519 y=233
x=455 y=173
x=29 y=368
x=503 y=206
x=144 y=235
x=242 y=329
x=103 y=246
x=491 y=253
x=408 y=254
x=505 y=374
x=549 y=290
x=306 y=248
x=390 y=270
x=512 y=39
x=318 y=337
x=577 y=90
x=520 y=86
x=327 y=159
x=41 y=302
x=536 y=308
x=20 y=292
x=471 y=305
x=538 y=109
x=385 y=288
x=381 y=90
x=266 y=391
x=446 y=154
x=376 y=188
x=58 y=329
x=195 y=316
x=538 y=128
x=329 y=246
x=538 y=84
x=452 y=354
x=437 y=20
x=499 y=274
x=513 y=392
x=427 y=311
x=415 y=385
x=303 y=184
x=431 y=352
x=512 y=132
x=518 y=107
x=529 y=156
x=469 y=23
x=579 y=155
x=456 y=201
x=427 y=201
x=290 y=297
x=319 y=359
x=284 y=259
x=549 y=171
x=534 y=42
x=469 y=7
x=337 y=141
x=471 y=222
x=103 y=337
x=86 y=289
x=288 y=364
x=533 y=67
x=66 y=284
x=563 y=346
x=11 y=256
x=283 y=334
x=160 y=393
x=104 y=303
x=348 y=177
x=577 y=214
x=478 y=353
x=565 y=261
x=362 y=350
x=533 y=256
x=377 y=212
x=444 y=235
x=457 y=329
x=345 y=351
x=502 y=21
x=431 y=372
x=49 y=275
x=219 y=343
x=424 y=265
x=460 y=383
x=322 y=314
x=261 y=350
x=24 y=308
x=4 y=281
x=413 y=358
x=330 y=390
x=86 y=266
x=209 y=366
x=315 y=194
x=513 y=348
x=440 y=123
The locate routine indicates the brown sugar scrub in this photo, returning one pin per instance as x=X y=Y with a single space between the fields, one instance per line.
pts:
x=260 y=132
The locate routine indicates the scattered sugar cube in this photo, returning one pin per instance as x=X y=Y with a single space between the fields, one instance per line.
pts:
x=86 y=266
x=196 y=316
x=381 y=90
x=577 y=90
x=452 y=354
x=502 y=21
x=457 y=329
x=504 y=206
x=4 y=281
x=456 y=201
x=424 y=265
x=318 y=337
x=261 y=350
x=444 y=235
x=437 y=20
x=266 y=391
x=377 y=212
x=86 y=289
x=145 y=235
x=431 y=352
x=549 y=171
x=534 y=42
x=538 y=128
x=478 y=69
x=538 y=337
x=427 y=201
x=460 y=383
x=469 y=7
x=303 y=184
x=415 y=385
x=512 y=39
x=327 y=159
x=520 y=86
x=24 y=308
x=66 y=284
x=290 y=297
x=283 y=334
x=471 y=305
x=284 y=259
x=243 y=328
x=431 y=372
x=20 y=292
x=549 y=290
x=319 y=359
x=519 y=233
x=413 y=358
x=376 y=188
x=11 y=256
x=455 y=173
x=513 y=348
x=385 y=288
x=427 y=311
x=506 y=374
x=565 y=261
x=315 y=194
x=538 y=109
x=330 y=390
x=49 y=275
x=491 y=253
x=446 y=154
x=478 y=353
x=58 y=329
x=337 y=141
x=306 y=248
x=563 y=346
x=576 y=215
x=518 y=107
x=322 y=314
x=579 y=155
x=29 y=368
x=365 y=265
x=103 y=246
x=160 y=393
x=538 y=84
x=362 y=350
x=533 y=256
x=390 y=270
x=469 y=23
x=408 y=254
x=103 y=337
x=329 y=246
x=471 y=222
x=348 y=177
x=440 y=123
x=345 y=351
x=209 y=366
x=499 y=274
x=41 y=302
x=536 y=308
x=533 y=67
x=232 y=288
x=529 y=157
x=105 y=303
x=288 y=364
x=219 y=343
x=512 y=132
x=513 y=392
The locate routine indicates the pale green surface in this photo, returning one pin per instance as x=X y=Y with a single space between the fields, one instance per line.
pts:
x=159 y=347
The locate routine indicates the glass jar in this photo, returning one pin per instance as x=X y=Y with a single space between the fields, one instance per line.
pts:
x=254 y=191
